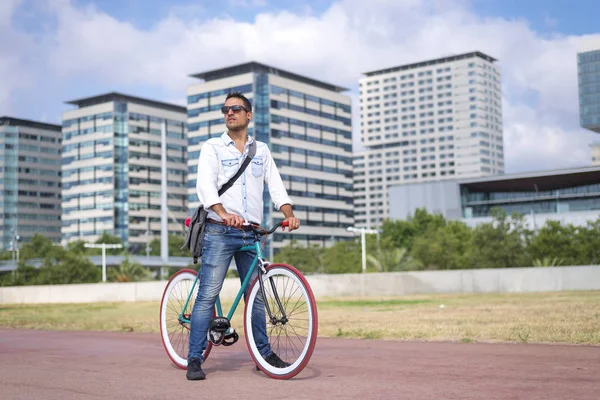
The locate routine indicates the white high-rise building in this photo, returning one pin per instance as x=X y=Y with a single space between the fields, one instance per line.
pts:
x=427 y=121
x=307 y=125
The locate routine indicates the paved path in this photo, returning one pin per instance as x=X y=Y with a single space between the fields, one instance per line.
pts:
x=88 y=365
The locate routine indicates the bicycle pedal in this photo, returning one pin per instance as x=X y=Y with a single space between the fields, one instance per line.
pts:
x=230 y=338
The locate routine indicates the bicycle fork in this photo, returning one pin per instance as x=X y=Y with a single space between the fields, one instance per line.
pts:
x=272 y=318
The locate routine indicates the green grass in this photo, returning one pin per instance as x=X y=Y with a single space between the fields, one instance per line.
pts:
x=557 y=317
x=370 y=303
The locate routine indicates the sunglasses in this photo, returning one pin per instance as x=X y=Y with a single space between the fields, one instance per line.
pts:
x=236 y=108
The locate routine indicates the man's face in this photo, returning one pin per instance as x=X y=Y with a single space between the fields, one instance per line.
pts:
x=236 y=120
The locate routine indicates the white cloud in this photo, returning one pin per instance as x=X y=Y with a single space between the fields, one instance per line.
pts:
x=539 y=73
x=15 y=49
x=247 y=3
x=7 y=8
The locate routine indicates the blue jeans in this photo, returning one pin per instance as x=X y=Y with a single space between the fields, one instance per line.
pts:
x=220 y=244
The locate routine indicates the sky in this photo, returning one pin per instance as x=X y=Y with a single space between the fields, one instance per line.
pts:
x=54 y=51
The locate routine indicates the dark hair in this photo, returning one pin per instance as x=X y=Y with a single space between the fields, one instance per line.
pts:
x=240 y=95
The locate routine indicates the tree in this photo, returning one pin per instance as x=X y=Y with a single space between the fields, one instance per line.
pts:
x=343 y=257
x=78 y=247
x=65 y=267
x=501 y=243
x=6 y=255
x=402 y=233
x=59 y=266
x=588 y=238
x=557 y=242
x=39 y=247
x=108 y=238
x=391 y=259
x=129 y=271
x=444 y=247
x=175 y=244
x=23 y=275
x=306 y=259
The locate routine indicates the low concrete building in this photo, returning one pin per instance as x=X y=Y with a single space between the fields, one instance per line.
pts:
x=595 y=153
x=571 y=196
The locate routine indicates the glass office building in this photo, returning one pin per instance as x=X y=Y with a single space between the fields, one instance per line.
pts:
x=30 y=180
x=307 y=125
x=588 y=65
x=111 y=173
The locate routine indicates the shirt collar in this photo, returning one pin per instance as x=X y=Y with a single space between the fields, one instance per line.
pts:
x=229 y=141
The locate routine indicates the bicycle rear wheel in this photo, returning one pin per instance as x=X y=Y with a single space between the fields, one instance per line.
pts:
x=175 y=331
x=294 y=339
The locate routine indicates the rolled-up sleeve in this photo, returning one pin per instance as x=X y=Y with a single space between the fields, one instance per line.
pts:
x=207 y=177
x=277 y=190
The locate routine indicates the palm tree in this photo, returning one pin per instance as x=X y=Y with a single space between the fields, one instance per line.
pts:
x=130 y=272
x=392 y=259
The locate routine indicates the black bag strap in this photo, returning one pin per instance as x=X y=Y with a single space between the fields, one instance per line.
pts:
x=249 y=157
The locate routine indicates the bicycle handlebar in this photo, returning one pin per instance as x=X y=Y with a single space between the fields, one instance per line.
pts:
x=255 y=228
x=261 y=231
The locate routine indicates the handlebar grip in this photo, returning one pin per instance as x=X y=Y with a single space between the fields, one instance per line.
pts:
x=284 y=224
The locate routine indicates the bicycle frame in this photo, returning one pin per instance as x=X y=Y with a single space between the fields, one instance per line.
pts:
x=257 y=247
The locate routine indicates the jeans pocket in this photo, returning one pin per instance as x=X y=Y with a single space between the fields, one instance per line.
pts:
x=257 y=167
x=215 y=229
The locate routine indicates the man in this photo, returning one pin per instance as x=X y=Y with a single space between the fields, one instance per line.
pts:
x=224 y=234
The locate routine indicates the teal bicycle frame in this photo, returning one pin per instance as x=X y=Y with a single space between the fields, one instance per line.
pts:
x=258 y=249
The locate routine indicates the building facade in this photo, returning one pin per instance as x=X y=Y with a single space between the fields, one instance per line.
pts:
x=595 y=153
x=588 y=73
x=306 y=124
x=431 y=120
x=571 y=196
x=30 y=169
x=111 y=173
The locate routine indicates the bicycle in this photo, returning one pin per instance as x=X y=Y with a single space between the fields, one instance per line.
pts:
x=280 y=285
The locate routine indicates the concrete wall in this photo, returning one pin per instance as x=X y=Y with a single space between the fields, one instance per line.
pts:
x=513 y=280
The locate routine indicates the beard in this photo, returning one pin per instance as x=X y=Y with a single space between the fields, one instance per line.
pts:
x=237 y=127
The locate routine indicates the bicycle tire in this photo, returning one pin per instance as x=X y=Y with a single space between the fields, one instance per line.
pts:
x=291 y=276
x=177 y=346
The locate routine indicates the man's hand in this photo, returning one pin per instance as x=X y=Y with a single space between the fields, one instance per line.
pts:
x=232 y=220
x=228 y=219
x=293 y=223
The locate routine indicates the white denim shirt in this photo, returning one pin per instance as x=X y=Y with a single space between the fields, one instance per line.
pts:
x=219 y=161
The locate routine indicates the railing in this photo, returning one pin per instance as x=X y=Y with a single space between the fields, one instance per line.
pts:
x=151 y=261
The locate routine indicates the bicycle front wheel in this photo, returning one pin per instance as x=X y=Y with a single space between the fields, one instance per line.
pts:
x=292 y=332
x=175 y=320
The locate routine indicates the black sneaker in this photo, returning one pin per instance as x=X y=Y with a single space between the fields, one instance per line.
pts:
x=277 y=362
x=194 y=371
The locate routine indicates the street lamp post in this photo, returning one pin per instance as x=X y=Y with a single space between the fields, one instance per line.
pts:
x=14 y=244
x=363 y=245
x=103 y=246
x=164 y=208
x=148 y=235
